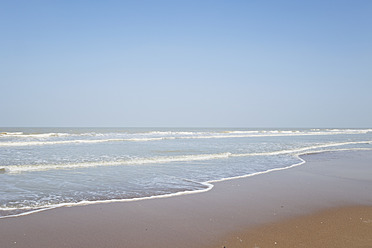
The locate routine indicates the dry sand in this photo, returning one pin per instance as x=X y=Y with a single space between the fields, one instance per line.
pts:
x=232 y=208
x=333 y=228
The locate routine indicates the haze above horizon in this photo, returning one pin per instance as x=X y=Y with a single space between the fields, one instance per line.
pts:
x=186 y=63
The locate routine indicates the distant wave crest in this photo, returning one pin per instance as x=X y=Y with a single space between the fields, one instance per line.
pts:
x=12 y=139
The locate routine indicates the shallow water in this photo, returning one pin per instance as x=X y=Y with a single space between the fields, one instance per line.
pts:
x=42 y=168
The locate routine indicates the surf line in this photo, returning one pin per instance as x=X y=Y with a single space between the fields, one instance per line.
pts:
x=165 y=159
x=208 y=184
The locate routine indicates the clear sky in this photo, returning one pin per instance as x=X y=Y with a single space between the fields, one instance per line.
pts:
x=186 y=63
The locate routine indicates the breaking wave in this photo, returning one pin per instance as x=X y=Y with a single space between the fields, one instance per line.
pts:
x=166 y=159
x=13 y=139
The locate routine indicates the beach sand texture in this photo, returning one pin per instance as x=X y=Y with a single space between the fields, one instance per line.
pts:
x=337 y=227
x=263 y=205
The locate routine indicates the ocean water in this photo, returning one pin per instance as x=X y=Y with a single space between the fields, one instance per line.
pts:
x=43 y=168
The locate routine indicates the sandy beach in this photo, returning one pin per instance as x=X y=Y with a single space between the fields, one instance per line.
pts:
x=331 y=189
x=335 y=227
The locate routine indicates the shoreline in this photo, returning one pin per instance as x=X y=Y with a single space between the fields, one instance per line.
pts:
x=208 y=184
x=198 y=220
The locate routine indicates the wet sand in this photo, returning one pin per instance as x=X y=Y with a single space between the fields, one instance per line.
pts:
x=235 y=207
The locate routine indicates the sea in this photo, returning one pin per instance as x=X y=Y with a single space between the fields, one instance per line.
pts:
x=44 y=168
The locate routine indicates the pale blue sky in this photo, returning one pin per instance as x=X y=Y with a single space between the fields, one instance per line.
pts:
x=186 y=63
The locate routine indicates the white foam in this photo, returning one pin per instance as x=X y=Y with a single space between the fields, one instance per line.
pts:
x=83 y=203
x=134 y=161
x=35 y=135
x=42 y=139
x=297 y=150
x=209 y=185
x=10 y=133
x=166 y=159
x=44 y=136
x=63 y=142
x=168 y=133
x=298 y=156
